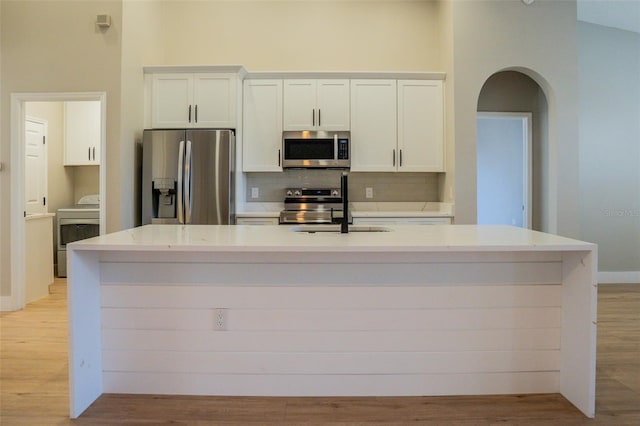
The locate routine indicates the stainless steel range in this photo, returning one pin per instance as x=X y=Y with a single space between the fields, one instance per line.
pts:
x=312 y=205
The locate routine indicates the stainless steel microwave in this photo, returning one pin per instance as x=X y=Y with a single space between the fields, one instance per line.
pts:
x=307 y=149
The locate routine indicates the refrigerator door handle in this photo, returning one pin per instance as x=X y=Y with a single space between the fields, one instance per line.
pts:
x=218 y=182
x=180 y=197
x=187 y=184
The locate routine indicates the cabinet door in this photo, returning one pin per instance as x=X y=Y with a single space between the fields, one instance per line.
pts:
x=373 y=125
x=171 y=100
x=299 y=105
x=420 y=126
x=262 y=126
x=214 y=101
x=370 y=221
x=82 y=133
x=333 y=105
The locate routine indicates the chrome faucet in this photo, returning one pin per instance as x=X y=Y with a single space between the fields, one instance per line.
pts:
x=344 y=188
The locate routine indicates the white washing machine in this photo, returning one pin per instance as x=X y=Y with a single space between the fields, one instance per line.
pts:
x=74 y=223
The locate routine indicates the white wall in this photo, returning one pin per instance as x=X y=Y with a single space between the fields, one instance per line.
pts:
x=446 y=35
x=609 y=78
x=539 y=40
x=56 y=47
x=302 y=35
x=143 y=30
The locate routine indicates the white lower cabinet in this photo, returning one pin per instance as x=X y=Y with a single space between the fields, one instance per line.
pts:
x=402 y=221
x=257 y=221
x=38 y=256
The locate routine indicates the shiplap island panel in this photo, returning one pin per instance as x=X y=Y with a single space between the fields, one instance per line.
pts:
x=246 y=310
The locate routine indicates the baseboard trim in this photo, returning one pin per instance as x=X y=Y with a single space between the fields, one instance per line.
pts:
x=6 y=304
x=619 y=277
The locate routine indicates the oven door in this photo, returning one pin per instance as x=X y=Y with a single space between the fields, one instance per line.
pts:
x=70 y=230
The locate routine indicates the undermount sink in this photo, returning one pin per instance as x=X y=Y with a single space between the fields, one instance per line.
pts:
x=311 y=229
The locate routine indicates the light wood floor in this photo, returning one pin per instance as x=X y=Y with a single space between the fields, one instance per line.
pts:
x=34 y=388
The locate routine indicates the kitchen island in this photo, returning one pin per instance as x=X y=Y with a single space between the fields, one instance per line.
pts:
x=264 y=310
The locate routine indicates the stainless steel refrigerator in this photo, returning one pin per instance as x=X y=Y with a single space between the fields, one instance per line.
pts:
x=188 y=177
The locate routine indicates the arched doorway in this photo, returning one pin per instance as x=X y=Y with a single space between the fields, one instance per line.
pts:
x=512 y=94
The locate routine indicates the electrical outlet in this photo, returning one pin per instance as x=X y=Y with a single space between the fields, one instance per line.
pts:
x=255 y=192
x=369 y=192
x=220 y=319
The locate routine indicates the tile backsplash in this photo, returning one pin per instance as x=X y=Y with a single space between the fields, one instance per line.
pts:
x=387 y=187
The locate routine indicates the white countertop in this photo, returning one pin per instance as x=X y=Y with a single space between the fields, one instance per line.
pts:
x=36 y=216
x=401 y=238
x=362 y=209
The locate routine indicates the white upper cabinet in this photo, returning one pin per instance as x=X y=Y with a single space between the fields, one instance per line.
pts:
x=214 y=98
x=82 y=120
x=299 y=105
x=373 y=126
x=316 y=104
x=397 y=126
x=420 y=126
x=183 y=100
x=262 y=126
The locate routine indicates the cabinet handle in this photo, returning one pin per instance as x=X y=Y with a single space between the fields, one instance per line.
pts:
x=189 y=113
x=400 y=158
x=94 y=153
x=89 y=153
x=278 y=158
x=319 y=118
x=313 y=117
x=394 y=158
x=196 y=113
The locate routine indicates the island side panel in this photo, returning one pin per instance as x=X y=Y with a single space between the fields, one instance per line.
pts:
x=321 y=324
x=579 y=327
x=85 y=338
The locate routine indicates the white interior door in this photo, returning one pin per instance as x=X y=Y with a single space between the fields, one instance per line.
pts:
x=504 y=169
x=35 y=166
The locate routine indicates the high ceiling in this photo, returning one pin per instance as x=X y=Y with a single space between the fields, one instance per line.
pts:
x=622 y=14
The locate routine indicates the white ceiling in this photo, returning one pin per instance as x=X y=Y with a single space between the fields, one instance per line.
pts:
x=622 y=14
